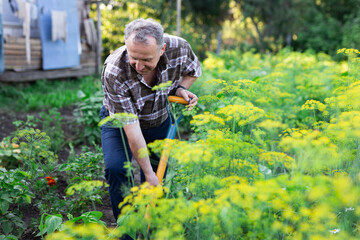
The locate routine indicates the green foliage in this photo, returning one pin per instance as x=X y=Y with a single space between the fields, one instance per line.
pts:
x=71 y=229
x=52 y=125
x=45 y=94
x=201 y=20
x=92 y=161
x=50 y=224
x=351 y=32
x=87 y=117
x=274 y=144
x=35 y=155
x=84 y=194
x=274 y=154
x=323 y=35
x=9 y=154
x=14 y=192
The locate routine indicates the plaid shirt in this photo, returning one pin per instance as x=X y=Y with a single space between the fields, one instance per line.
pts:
x=125 y=90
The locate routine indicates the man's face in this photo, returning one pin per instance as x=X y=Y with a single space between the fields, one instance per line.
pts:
x=144 y=57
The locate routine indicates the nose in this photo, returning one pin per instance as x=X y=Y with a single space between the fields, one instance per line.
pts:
x=139 y=65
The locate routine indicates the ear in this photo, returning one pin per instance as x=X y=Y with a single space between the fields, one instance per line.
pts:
x=163 y=49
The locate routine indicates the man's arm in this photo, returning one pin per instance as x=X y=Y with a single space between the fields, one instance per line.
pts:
x=136 y=141
x=187 y=81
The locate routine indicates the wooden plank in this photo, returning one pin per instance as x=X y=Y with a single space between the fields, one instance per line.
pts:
x=28 y=76
x=24 y=68
x=20 y=58
x=20 y=52
x=17 y=64
x=21 y=47
x=10 y=39
x=10 y=64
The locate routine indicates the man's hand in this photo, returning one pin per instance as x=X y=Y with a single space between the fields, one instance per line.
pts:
x=136 y=142
x=187 y=81
x=187 y=95
x=152 y=179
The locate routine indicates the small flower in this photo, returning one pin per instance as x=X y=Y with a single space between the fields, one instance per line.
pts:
x=51 y=181
x=349 y=209
x=334 y=231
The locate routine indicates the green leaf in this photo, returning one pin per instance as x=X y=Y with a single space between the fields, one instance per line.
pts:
x=4 y=206
x=8 y=237
x=81 y=94
x=27 y=198
x=53 y=223
x=7 y=227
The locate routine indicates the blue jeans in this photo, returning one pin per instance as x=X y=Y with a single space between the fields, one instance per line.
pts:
x=115 y=157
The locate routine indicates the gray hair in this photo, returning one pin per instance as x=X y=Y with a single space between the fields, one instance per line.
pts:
x=143 y=28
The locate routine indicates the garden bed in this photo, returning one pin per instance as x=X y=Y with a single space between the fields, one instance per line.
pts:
x=31 y=212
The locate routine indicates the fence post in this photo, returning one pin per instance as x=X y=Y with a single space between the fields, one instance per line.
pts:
x=99 y=38
x=178 y=19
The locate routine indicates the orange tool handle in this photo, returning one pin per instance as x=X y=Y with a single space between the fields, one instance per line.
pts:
x=163 y=162
x=176 y=99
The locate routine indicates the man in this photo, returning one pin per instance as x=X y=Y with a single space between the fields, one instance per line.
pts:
x=148 y=58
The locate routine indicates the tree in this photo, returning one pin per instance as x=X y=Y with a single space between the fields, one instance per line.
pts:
x=275 y=21
x=201 y=20
x=301 y=24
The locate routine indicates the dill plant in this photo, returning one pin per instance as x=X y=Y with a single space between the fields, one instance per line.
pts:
x=274 y=155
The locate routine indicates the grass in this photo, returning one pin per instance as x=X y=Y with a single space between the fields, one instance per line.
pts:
x=45 y=94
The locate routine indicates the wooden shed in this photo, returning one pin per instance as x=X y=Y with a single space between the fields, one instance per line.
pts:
x=48 y=39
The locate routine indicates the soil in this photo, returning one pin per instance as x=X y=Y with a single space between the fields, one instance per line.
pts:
x=30 y=212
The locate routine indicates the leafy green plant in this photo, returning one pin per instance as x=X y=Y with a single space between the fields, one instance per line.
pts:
x=14 y=193
x=34 y=152
x=91 y=228
x=92 y=161
x=9 y=153
x=85 y=194
x=52 y=124
x=87 y=116
x=50 y=224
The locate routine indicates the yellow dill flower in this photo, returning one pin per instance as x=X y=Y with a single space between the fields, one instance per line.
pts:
x=213 y=62
x=208 y=99
x=318 y=192
x=244 y=83
x=119 y=119
x=346 y=127
x=348 y=51
x=339 y=173
x=86 y=186
x=276 y=225
x=322 y=212
x=213 y=82
x=314 y=151
x=234 y=180
x=312 y=105
x=269 y=125
x=143 y=152
x=60 y=236
x=242 y=114
x=305 y=212
x=194 y=155
x=272 y=158
x=345 y=190
x=162 y=86
x=206 y=118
